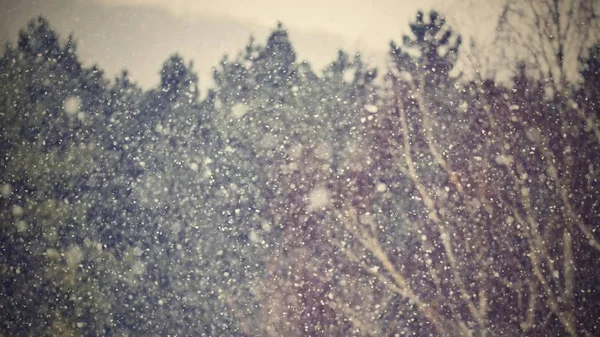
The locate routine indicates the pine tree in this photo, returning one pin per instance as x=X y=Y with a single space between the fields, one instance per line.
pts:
x=51 y=110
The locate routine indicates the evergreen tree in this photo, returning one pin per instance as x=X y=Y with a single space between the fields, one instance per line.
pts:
x=51 y=111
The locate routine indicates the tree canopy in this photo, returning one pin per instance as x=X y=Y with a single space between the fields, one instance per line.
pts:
x=289 y=201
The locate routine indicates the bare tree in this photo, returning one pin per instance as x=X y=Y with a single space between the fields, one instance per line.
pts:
x=469 y=209
x=502 y=194
x=501 y=246
x=555 y=34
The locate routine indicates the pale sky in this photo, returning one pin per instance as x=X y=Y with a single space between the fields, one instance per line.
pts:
x=369 y=22
x=140 y=34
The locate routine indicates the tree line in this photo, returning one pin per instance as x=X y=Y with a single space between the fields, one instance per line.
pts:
x=294 y=202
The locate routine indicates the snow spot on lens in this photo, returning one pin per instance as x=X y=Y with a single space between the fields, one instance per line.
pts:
x=137 y=251
x=138 y=268
x=52 y=253
x=366 y=219
x=218 y=104
x=21 y=226
x=176 y=227
x=533 y=135
x=371 y=108
x=71 y=105
x=266 y=227
x=504 y=160
x=552 y=172
x=318 y=198
x=73 y=256
x=381 y=187
x=323 y=151
x=254 y=237
x=269 y=140
x=17 y=210
x=5 y=190
x=296 y=151
x=348 y=76
x=239 y=110
x=194 y=166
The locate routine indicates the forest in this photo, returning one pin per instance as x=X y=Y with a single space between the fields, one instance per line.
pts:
x=413 y=200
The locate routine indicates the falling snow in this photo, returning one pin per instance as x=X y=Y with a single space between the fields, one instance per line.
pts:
x=239 y=110
x=285 y=200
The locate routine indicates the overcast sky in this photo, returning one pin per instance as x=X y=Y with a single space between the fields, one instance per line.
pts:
x=140 y=34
